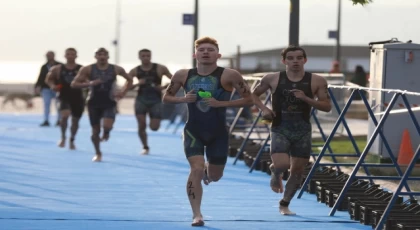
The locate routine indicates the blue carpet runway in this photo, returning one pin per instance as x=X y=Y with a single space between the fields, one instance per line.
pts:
x=44 y=187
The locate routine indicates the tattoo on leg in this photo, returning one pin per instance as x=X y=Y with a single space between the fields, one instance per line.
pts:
x=190 y=193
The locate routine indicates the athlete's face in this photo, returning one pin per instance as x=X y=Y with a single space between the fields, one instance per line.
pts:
x=50 y=56
x=102 y=57
x=207 y=54
x=294 y=60
x=145 y=57
x=70 y=56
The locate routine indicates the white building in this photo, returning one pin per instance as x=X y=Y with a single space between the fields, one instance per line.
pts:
x=320 y=59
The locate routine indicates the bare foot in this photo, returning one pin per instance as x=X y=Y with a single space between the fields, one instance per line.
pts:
x=276 y=182
x=97 y=158
x=206 y=178
x=285 y=211
x=145 y=151
x=105 y=137
x=197 y=221
x=72 y=146
x=62 y=143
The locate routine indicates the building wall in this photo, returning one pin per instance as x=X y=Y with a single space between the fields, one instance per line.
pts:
x=320 y=64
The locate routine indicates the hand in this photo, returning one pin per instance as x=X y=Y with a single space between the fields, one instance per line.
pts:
x=191 y=97
x=95 y=82
x=38 y=90
x=142 y=81
x=211 y=102
x=56 y=88
x=159 y=88
x=298 y=94
x=119 y=95
x=268 y=114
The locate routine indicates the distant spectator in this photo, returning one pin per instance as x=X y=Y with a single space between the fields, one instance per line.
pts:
x=360 y=79
x=258 y=69
x=44 y=90
x=335 y=67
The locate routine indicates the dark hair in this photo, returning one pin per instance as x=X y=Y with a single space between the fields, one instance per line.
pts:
x=145 y=50
x=291 y=48
x=359 y=69
x=71 y=49
x=100 y=50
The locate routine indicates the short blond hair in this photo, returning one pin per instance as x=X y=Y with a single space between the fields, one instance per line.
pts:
x=204 y=40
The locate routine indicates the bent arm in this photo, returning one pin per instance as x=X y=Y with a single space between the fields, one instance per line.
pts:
x=40 y=78
x=324 y=101
x=52 y=77
x=129 y=79
x=173 y=87
x=242 y=88
x=261 y=88
x=166 y=72
x=132 y=74
x=82 y=79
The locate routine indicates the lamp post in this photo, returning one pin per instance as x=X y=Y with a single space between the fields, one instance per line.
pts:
x=195 y=30
x=294 y=23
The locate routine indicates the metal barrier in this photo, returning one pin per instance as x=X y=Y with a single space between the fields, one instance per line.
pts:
x=361 y=157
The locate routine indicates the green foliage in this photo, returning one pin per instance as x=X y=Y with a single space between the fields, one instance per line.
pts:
x=361 y=2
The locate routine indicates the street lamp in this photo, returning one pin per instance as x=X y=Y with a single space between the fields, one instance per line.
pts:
x=294 y=23
x=195 y=30
x=116 y=41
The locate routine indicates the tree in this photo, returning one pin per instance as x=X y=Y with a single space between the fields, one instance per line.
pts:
x=361 y=2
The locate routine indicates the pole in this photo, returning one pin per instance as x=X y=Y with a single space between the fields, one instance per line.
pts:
x=117 y=32
x=294 y=23
x=238 y=58
x=195 y=30
x=338 y=47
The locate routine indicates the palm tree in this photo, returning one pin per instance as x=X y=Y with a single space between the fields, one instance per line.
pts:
x=361 y=2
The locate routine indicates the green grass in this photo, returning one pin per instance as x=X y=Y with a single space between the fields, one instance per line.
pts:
x=345 y=146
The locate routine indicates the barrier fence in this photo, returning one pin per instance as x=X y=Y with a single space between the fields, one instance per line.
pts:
x=251 y=141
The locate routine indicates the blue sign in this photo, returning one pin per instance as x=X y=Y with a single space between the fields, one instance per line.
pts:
x=188 y=19
x=332 y=34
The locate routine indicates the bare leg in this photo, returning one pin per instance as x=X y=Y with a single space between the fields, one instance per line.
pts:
x=195 y=189
x=96 y=129
x=141 y=121
x=279 y=166
x=63 y=126
x=154 y=124
x=293 y=184
x=73 y=129
x=108 y=124
x=213 y=173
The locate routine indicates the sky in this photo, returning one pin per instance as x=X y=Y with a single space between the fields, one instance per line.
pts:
x=31 y=27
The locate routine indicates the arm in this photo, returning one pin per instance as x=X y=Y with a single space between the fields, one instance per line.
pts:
x=129 y=79
x=324 y=101
x=166 y=72
x=38 y=82
x=132 y=74
x=237 y=82
x=176 y=82
x=261 y=88
x=52 y=77
x=82 y=79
